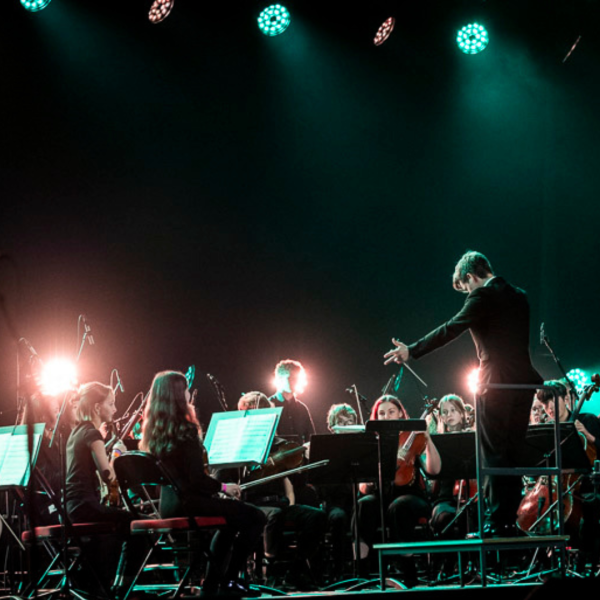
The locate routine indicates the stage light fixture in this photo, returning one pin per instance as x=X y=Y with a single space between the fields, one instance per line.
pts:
x=472 y=38
x=274 y=20
x=384 y=32
x=58 y=376
x=473 y=381
x=579 y=378
x=34 y=5
x=160 y=10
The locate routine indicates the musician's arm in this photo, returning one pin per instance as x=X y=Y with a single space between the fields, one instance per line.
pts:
x=103 y=465
x=433 y=462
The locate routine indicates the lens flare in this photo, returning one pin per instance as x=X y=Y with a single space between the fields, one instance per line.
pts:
x=473 y=381
x=58 y=376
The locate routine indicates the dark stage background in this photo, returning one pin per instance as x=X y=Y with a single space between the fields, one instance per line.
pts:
x=207 y=195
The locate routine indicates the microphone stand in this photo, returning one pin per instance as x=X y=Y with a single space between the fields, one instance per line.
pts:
x=546 y=342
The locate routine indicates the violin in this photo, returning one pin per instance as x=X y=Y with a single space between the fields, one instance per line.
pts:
x=411 y=444
x=284 y=456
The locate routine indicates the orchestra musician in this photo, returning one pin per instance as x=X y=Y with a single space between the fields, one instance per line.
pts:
x=538 y=412
x=453 y=418
x=588 y=426
x=277 y=499
x=172 y=433
x=296 y=420
x=497 y=315
x=407 y=505
x=337 y=498
x=87 y=463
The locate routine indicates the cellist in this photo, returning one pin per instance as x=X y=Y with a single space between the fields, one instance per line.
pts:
x=588 y=426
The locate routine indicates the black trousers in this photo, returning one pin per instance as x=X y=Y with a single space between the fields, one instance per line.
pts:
x=503 y=420
x=235 y=542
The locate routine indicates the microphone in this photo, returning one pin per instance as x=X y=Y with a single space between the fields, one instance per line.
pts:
x=88 y=332
x=119 y=382
x=542 y=334
x=29 y=347
x=353 y=391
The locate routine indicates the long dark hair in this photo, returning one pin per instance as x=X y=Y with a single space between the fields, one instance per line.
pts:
x=169 y=419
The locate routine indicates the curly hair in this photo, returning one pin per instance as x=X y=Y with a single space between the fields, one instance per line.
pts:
x=338 y=410
x=169 y=418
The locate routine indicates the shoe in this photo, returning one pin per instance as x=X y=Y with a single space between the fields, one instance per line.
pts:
x=238 y=588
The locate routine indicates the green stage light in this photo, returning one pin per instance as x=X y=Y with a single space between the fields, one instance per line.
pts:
x=274 y=20
x=472 y=38
x=34 y=5
x=579 y=378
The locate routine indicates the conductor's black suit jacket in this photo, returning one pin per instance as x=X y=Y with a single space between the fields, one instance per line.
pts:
x=497 y=315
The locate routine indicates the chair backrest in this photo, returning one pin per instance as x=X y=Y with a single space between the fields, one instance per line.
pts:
x=137 y=472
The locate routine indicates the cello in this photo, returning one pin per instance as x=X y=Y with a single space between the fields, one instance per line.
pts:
x=533 y=515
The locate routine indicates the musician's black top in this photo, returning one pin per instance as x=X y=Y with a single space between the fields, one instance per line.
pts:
x=185 y=465
x=83 y=485
x=295 y=418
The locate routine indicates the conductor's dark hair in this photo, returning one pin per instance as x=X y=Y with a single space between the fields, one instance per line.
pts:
x=470 y=263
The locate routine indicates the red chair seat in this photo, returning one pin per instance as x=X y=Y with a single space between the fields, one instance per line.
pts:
x=54 y=532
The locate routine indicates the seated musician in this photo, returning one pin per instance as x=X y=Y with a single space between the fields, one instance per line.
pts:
x=337 y=498
x=538 y=412
x=277 y=499
x=87 y=464
x=406 y=505
x=172 y=433
x=588 y=426
x=453 y=418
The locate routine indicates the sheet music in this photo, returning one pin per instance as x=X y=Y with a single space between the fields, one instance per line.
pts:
x=241 y=437
x=15 y=468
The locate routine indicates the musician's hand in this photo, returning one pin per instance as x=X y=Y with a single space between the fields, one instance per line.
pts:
x=582 y=429
x=118 y=449
x=399 y=354
x=233 y=490
x=402 y=452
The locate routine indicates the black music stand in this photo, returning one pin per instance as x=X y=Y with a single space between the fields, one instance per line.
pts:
x=541 y=448
x=457 y=453
x=388 y=432
x=350 y=462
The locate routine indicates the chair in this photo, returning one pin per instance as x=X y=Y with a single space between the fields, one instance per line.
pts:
x=140 y=477
x=67 y=560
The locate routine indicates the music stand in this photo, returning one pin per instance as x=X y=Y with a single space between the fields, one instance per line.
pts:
x=541 y=447
x=16 y=464
x=350 y=462
x=388 y=432
x=457 y=454
x=241 y=438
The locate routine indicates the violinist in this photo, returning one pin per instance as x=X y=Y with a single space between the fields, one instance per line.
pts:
x=588 y=426
x=172 y=433
x=277 y=500
x=407 y=505
x=86 y=459
x=453 y=418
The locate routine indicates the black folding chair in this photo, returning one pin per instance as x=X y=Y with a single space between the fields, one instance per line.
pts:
x=141 y=477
